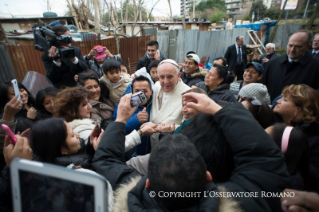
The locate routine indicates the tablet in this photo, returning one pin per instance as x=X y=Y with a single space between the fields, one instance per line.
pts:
x=46 y=187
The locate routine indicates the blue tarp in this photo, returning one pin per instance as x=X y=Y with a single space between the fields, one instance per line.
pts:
x=256 y=27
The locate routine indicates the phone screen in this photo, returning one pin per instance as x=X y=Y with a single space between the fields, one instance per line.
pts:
x=138 y=98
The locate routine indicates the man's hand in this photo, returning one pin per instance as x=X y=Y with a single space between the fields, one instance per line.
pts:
x=148 y=130
x=32 y=113
x=53 y=53
x=265 y=60
x=165 y=128
x=201 y=103
x=151 y=124
x=11 y=108
x=92 y=53
x=302 y=201
x=142 y=116
x=108 y=53
x=124 y=110
x=20 y=150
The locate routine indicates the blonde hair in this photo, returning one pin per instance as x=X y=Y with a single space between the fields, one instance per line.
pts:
x=307 y=99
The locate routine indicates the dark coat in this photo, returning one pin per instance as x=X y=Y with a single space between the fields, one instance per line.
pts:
x=222 y=92
x=259 y=164
x=231 y=56
x=312 y=132
x=269 y=57
x=280 y=73
x=316 y=55
x=64 y=75
x=145 y=61
x=198 y=76
x=5 y=191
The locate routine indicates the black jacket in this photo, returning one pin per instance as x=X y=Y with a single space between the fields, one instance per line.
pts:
x=269 y=57
x=312 y=132
x=231 y=56
x=259 y=164
x=280 y=73
x=222 y=92
x=5 y=191
x=64 y=75
x=194 y=78
x=145 y=61
x=316 y=55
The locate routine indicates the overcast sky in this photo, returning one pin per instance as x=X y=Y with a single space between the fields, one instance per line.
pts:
x=37 y=7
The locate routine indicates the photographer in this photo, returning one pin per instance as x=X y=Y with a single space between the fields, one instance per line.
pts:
x=61 y=71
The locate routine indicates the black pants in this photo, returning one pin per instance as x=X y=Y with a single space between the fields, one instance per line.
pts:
x=239 y=71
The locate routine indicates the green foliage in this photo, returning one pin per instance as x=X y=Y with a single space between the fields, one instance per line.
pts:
x=259 y=8
x=246 y=18
x=217 y=17
x=209 y=4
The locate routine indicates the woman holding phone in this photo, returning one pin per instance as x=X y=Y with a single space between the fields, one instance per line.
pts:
x=27 y=115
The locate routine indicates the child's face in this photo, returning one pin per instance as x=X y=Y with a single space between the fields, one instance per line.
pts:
x=114 y=75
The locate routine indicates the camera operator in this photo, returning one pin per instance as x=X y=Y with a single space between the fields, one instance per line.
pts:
x=61 y=71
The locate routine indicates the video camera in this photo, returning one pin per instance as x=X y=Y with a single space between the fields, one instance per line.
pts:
x=45 y=38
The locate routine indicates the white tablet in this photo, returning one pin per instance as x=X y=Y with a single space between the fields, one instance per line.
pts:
x=46 y=187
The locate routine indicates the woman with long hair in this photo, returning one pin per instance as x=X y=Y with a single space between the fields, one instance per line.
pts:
x=217 y=83
x=44 y=102
x=294 y=146
x=28 y=114
x=299 y=107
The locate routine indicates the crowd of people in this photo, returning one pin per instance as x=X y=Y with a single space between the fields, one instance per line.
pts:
x=240 y=127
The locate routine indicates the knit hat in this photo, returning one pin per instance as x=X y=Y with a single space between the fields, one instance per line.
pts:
x=193 y=57
x=258 y=67
x=100 y=51
x=257 y=90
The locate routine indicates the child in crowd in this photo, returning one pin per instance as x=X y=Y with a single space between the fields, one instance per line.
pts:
x=294 y=146
x=114 y=80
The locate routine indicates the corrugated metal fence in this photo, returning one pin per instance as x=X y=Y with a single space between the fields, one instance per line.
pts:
x=16 y=61
x=211 y=44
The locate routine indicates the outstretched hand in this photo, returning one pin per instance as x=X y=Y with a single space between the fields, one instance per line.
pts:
x=124 y=110
x=201 y=103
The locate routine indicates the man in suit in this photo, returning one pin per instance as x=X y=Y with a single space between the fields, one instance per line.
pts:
x=315 y=46
x=270 y=54
x=61 y=72
x=167 y=96
x=298 y=66
x=236 y=57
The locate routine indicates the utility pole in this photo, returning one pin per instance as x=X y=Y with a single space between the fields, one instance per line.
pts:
x=194 y=5
x=305 y=13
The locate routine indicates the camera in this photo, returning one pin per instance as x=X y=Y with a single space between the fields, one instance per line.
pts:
x=45 y=38
x=138 y=98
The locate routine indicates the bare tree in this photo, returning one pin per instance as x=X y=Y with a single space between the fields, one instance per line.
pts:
x=73 y=14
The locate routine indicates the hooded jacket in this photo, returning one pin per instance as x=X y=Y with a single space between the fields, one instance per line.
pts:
x=222 y=92
x=145 y=61
x=196 y=77
x=259 y=166
x=117 y=91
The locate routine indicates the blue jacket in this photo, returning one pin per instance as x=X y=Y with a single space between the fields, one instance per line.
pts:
x=134 y=124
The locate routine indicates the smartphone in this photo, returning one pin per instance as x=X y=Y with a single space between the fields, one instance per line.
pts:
x=158 y=51
x=16 y=89
x=9 y=133
x=138 y=98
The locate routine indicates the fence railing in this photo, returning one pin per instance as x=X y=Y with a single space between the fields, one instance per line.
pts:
x=24 y=58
